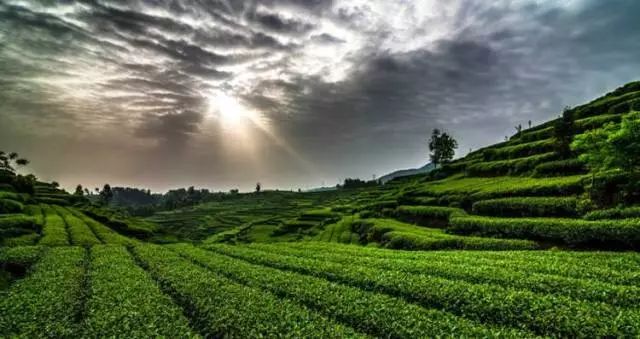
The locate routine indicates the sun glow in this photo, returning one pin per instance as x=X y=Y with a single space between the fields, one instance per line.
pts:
x=229 y=111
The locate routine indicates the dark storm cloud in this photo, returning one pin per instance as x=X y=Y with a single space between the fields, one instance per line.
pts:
x=353 y=85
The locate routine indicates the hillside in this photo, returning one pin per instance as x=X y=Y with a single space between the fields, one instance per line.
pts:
x=406 y=172
x=521 y=239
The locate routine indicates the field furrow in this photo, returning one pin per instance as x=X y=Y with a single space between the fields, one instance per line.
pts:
x=543 y=314
x=377 y=314
x=219 y=307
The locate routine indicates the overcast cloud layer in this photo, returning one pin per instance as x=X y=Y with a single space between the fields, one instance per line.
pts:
x=291 y=93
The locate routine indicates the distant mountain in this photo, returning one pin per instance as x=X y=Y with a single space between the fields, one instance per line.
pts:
x=407 y=172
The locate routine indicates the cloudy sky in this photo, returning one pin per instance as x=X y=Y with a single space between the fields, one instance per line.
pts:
x=292 y=93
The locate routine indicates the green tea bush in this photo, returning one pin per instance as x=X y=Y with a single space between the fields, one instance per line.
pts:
x=10 y=206
x=598 y=121
x=54 y=230
x=535 y=135
x=480 y=267
x=604 y=105
x=624 y=234
x=519 y=150
x=614 y=213
x=546 y=315
x=219 y=307
x=147 y=312
x=506 y=167
x=47 y=303
x=560 y=168
x=527 y=207
x=102 y=232
x=79 y=231
x=426 y=215
x=376 y=314
x=17 y=224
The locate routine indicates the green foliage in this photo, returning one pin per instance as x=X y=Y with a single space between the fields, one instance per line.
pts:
x=146 y=312
x=536 y=134
x=596 y=122
x=560 y=168
x=375 y=314
x=102 y=232
x=79 y=232
x=509 y=167
x=614 y=213
x=22 y=255
x=527 y=207
x=220 y=307
x=12 y=225
x=519 y=150
x=544 y=314
x=442 y=147
x=571 y=232
x=10 y=206
x=398 y=235
x=480 y=267
x=426 y=215
x=55 y=230
x=48 y=301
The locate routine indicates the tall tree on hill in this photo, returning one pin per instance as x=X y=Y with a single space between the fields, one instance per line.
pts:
x=10 y=162
x=258 y=187
x=563 y=131
x=442 y=147
x=106 y=194
x=79 y=191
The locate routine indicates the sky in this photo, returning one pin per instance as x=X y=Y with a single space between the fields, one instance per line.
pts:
x=291 y=93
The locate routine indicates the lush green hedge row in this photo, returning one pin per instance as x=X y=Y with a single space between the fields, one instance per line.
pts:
x=17 y=224
x=102 y=232
x=398 y=235
x=553 y=315
x=535 y=135
x=47 y=303
x=560 y=168
x=53 y=201
x=513 y=166
x=128 y=226
x=605 y=105
x=79 y=232
x=520 y=150
x=426 y=215
x=54 y=231
x=447 y=266
x=598 y=121
x=36 y=212
x=376 y=314
x=10 y=206
x=614 y=213
x=125 y=302
x=576 y=232
x=527 y=207
x=219 y=307
x=22 y=255
x=606 y=267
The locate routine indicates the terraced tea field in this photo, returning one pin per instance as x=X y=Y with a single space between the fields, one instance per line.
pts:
x=317 y=290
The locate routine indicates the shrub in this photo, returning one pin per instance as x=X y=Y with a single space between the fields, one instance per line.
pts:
x=10 y=206
x=560 y=168
x=527 y=207
x=575 y=232
x=598 y=121
x=519 y=150
x=17 y=224
x=614 y=213
x=426 y=215
x=507 y=167
x=535 y=135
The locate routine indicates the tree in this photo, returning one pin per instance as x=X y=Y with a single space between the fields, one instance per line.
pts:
x=55 y=184
x=10 y=162
x=106 y=194
x=86 y=191
x=442 y=147
x=529 y=123
x=563 y=131
x=79 y=191
x=612 y=146
x=518 y=129
x=258 y=187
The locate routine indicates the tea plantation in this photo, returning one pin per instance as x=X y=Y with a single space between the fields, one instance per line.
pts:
x=520 y=239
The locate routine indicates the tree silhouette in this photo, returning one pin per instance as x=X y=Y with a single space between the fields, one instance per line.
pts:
x=106 y=194
x=258 y=187
x=10 y=162
x=442 y=147
x=79 y=191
